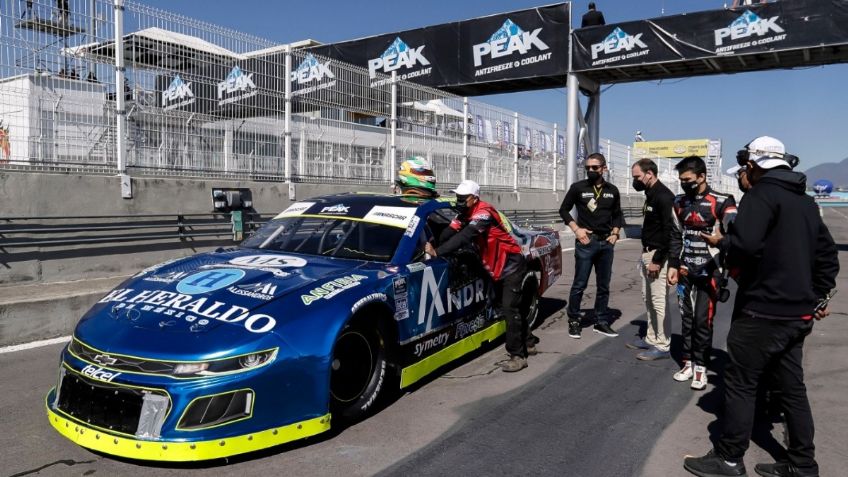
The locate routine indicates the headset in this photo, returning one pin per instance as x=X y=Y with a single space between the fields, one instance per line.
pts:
x=744 y=155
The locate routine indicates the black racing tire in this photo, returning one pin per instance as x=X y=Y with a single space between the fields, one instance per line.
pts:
x=357 y=372
x=529 y=307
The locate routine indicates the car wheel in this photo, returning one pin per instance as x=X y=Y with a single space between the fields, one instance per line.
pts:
x=358 y=372
x=529 y=307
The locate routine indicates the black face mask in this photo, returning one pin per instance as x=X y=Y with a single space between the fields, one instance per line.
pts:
x=638 y=185
x=689 y=188
x=462 y=207
x=593 y=176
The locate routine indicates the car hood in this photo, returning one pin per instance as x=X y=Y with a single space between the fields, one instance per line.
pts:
x=219 y=300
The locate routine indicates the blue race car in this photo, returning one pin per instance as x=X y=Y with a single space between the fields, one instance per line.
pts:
x=325 y=308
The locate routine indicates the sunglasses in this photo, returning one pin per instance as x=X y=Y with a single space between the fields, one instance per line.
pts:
x=594 y=168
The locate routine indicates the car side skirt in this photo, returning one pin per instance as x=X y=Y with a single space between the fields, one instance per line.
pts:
x=415 y=372
x=167 y=451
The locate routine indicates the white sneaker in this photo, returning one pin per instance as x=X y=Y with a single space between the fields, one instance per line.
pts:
x=685 y=373
x=699 y=381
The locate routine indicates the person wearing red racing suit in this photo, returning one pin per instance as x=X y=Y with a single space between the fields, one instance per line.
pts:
x=479 y=224
x=691 y=263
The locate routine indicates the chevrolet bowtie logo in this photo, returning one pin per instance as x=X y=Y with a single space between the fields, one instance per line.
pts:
x=105 y=360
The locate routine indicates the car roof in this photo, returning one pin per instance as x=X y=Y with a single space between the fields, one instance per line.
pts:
x=386 y=209
x=367 y=199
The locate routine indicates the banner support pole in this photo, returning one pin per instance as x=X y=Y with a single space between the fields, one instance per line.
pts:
x=515 y=153
x=287 y=151
x=464 y=174
x=393 y=135
x=556 y=157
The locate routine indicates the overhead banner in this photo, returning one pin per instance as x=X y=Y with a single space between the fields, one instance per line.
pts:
x=525 y=49
x=751 y=29
x=671 y=149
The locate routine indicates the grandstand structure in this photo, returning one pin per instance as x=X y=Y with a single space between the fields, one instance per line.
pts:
x=194 y=99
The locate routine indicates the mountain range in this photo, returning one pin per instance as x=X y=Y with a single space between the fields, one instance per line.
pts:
x=832 y=171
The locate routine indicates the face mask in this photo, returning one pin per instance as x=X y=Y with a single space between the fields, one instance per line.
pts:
x=462 y=207
x=593 y=176
x=638 y=185
x=689 y=188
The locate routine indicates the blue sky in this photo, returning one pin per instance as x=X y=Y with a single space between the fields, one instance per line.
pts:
x=803 y=108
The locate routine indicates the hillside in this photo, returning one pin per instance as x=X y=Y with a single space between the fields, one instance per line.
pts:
x=832 y=171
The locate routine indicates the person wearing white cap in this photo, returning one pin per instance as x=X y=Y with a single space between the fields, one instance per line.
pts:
x=788 y=265
x=478 y=223
x=741 y=173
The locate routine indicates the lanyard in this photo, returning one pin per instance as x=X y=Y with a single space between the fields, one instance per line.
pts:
x=598 y=192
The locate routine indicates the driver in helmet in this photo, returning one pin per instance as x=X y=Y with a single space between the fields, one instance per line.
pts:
x=416 y=178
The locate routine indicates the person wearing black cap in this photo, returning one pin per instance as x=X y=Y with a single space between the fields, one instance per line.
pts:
x=593 y=17
x=788 y=266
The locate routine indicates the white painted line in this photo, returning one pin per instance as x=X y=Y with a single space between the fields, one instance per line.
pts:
x=34 y=344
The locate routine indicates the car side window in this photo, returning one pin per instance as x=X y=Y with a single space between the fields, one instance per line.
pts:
x=432 y=229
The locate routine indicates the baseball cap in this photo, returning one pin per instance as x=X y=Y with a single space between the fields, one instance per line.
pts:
x=767 y=152
x=733 y=170
x=467 y=187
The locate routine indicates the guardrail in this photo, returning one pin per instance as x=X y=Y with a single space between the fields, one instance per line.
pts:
x=551 y=218
x=20 y=232
x=99 y=229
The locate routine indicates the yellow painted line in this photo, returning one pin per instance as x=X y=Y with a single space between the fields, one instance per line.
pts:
x=181 y=451
x=414 y=373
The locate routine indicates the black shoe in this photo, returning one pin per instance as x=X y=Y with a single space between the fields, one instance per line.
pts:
x=605 y=330
x=574 y=329
x=711 y=465
x=782 y=469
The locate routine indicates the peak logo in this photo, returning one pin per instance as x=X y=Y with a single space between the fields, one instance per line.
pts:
x=617 y=41
x=237 y=83
x=748 y=24
x=312 y=70
x=398 y=55
x=178 y=94
x=509 y=38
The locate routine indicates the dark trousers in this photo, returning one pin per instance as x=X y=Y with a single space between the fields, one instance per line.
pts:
x=598 y=253
x=757 y=346
x=697 y=298
x=508 y=293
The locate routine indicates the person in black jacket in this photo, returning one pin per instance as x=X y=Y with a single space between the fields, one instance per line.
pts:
x=599 y=220
x=653 y=266
x=593 y=17
x=788 y=263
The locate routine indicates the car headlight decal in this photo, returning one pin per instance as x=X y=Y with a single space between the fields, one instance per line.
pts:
x=175 y=369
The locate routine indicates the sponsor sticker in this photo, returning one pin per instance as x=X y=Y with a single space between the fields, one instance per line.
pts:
x=99 y=374
x=391 y=216
x=374 y=297
x=186 y=307
x=258 y=291
x=431 y=343
x=338 y=209
x=209 y=280
x=268 y=261
x=295 y=209
x=413 y=224
x=332 y=288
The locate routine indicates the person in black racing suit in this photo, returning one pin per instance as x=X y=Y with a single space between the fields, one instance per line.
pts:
x=692 y=265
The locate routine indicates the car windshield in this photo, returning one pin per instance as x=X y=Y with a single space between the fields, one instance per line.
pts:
x=328 y=237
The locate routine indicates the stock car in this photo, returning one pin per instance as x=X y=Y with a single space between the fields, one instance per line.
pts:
x=324 y=309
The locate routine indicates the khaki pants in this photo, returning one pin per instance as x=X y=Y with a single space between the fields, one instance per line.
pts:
x=654 y=293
